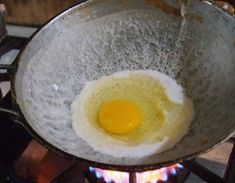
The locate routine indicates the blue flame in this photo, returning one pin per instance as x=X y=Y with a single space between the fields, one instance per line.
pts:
x=164 y=177
x=108 y=180
x=173 y=171
x=98 y=175
x=91 y=169
x=180 y=166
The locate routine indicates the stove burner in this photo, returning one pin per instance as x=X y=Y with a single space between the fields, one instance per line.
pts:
x=109 y=176
x=160 y=175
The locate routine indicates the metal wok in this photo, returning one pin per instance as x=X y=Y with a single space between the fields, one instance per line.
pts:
x=96 y=38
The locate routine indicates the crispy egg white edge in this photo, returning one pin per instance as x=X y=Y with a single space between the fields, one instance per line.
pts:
x=105 y=144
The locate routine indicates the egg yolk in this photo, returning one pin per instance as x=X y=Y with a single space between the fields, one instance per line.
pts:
x=120 y=116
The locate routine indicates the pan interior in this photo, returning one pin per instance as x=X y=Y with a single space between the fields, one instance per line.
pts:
x=102 y=37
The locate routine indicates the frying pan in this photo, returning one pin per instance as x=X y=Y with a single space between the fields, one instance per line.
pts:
x=100 y=37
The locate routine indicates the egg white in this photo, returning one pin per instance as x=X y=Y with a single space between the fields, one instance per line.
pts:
x=103 y=143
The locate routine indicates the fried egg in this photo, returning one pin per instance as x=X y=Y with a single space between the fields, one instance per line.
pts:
x=132 y=113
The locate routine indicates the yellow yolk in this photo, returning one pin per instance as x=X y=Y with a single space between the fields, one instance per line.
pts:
x=120 y=116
